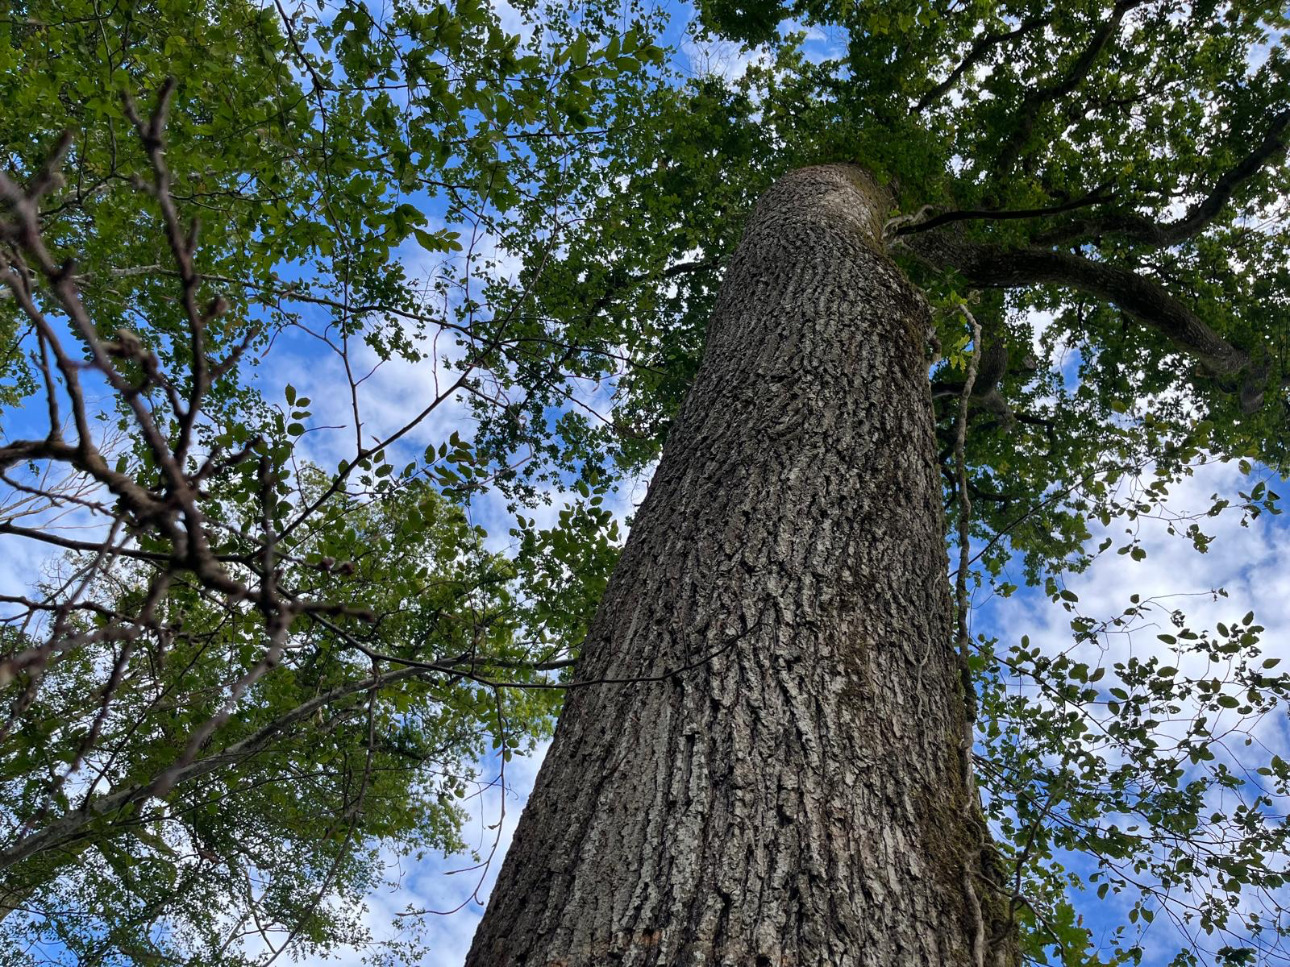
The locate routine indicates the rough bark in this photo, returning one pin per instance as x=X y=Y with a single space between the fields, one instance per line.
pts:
x=793 y=794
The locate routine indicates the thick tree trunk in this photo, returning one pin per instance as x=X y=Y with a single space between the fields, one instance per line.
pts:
x=793 y=793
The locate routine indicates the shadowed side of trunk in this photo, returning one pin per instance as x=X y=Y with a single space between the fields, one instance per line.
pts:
x=793 y=794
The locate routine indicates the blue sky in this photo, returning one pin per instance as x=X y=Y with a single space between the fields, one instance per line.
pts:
x=1250 y=559
x=1252 y=563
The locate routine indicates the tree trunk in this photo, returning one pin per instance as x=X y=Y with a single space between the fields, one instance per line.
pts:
x=785 y=786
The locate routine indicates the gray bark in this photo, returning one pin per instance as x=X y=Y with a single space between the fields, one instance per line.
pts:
x=793 y=794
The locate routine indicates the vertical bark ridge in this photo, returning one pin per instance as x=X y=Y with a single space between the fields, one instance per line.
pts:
x=795 y=798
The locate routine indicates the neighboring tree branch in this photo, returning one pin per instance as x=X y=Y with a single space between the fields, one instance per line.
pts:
x=68 y=828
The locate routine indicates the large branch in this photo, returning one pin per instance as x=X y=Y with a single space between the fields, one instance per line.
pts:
x=1148 y=302
x=1139 y=228
x=1097 y=196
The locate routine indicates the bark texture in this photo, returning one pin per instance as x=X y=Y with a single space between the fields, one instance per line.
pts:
x=793 y=793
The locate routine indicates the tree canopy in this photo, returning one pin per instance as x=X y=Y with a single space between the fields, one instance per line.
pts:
x=211 y=732
x=269 y=648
